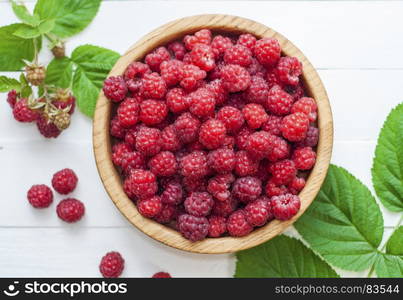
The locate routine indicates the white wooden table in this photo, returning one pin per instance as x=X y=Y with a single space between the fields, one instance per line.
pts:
x=357 y=48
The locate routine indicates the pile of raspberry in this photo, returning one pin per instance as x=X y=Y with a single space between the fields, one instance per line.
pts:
x=213 y=134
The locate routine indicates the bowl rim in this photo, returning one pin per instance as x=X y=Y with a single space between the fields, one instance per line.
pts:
x=112 y=180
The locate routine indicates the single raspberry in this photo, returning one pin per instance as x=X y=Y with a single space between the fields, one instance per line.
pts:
x=59 y=50
x=118 y=151
x=163 y=164
x=40 y=196
x=220 y=44
x=307 y=106
x=153 y=86
x=150 y=207
x=273 y=125
x=231 y=117
x=289 y=69
x=255 y=115
x=191 y=184
x=141 y=183
x=216 y=87
x=131 y=134
x=237 y=225
x=258 y=212
x=64 y=99
x=218 y=226
x=153 y=112
x=148 y=141
x=238 y=55
x=35 y=74
x=47 y=128
x=172 y=71
x=296 y=185
x=169 y=139
x=112 y=265
x=259 y=144
x=136 y=70
x=64 y=181
x=283 y=171
x=187 y=127
x=267 y=51
x=154 y=59
x=294 y=127
x=257 y=91
x=272 y=78
x=203 y=57
x=23 y=113
x=116 y=129
x=115 y=88
x=172 y=194
x=245 y=164
x=312 y=138
x=222 y=160
x=256 y=69
x=199 y=204
x=132 y=160
x=235 y=78
x=178 y=50
x=12 y=98
x=193 y=228
x=162 y=275
x=70 y=210
x=278 y=101
x=280 y=149
x=212 y=133
x=236 y=100
x=61 y=120
x=177 y=101
x=275 y=190
x=247 y=40
x=166 y=215
x=192 y=75
x=219 y=185
x=202 y=102
x=284 y=207
x=225 y=208
x=304 y=158
x=128 y=112
x=247 y=188
x=296 y=92
x=200 y=37
x=194 y=165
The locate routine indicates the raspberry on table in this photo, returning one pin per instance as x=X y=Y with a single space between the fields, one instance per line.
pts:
x=289 y=69
x=202 y=36
x=247 y=189
x=131 y=160
x=64 y=181
x=307 y=106
x=267 y=51
x=212 y=133
x=187 y=127
x=192 y=75
x=40 y=196
x=255 y=115
x=23 y=113
x=237 y=225
x=304 y=158
x=218 y=186
x=280 y=149
x=231 y=117
x=163 y=164
x=247 y=40
x=222 y=160
x=150 y=207
x=218 y=226
x=177 y=100
x=245 y=164
x=294 y=127
x=235 y=78
x=70 y=210
x=273 y=125
x=193 y=228
x=311 y=139
x=258 y=90
x=194 y=165
x=141 y=183
x=199 y=204
x=172 y=71
x=172 y=194
x=115 y=88
x=238 y=55
x=161 y=275
x=169 y=139
x=178 y=49
x=136 y=70
x=278 y=101
x=202 y=102
x=116 y=129
x=154 y=59
x=112 y=265
x=296 y=185
x=259 y=144
x=12 y=98
x=216 y=87
x=258 y=212
x=203 y=56
x=153 y=112
x=284 y=207
x=153 y=86
x=128 y=112
x=148 y=141
x=275 y=190
x=219 y=44
x=166 y=215
x=283 y=172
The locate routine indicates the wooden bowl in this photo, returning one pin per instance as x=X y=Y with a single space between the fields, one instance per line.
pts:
x=112 y=180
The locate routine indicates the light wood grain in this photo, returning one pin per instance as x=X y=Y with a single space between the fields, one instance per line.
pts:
x=112 y=180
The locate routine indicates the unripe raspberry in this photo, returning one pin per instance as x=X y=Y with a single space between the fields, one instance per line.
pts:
x=35 y=74
x=62 y=120
x=59 y=50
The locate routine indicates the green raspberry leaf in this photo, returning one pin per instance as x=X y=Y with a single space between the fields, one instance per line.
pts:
x=389 y=266
x=27 y=32
x=71 y=16
x=282 y=256
x=344 y=223
x=26 y=89
x=387 y=169
x=60 y=72
x=46 y=26
x=395 y=243
x=92 y=66
x=7 y=84
x=24 y=15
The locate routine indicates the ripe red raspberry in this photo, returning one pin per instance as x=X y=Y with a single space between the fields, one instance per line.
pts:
x=70 y=210
x=272 y=78
x=23 y=113
x=112 y=265
x=131 y=135
x=64 y=181
x=312 y=138
x=199 y=204
x=222 y=160
x=245 y=164
x=289 y=69
x=136 y=70
x=275 y=190
x=148 y=141
x=153 y=112
x=150 y=207
x=192 y=75
x=40 y=196
x=238 y=55
x=304 y=158
x=162 y=275
x=259 y=144
x=178 y=49
x=64 y=101
x=283 y=171
x=203 y=57
x=202 y=102
x=307 y=106
x=12 y=98
x=256 y=69
x=235 y=78
x=172 y=71
x=115 y=88
x=212 y=133
x=267 y=51
x=169 y=139
x=226 y=207
x=296 y=92
x=154 y=59
x=193 y=228
x=273 y=125
x=231 y=117
x=216 y=87
x=247 y=40
x=118 y=151
x=128 y=112
x=219 y=185
x=166 y=215
x=294 y=127
x=163 y=164
x=284 y=207
x=172 y=194
x=191 y=184
x=247 y=189
x=255 y=115
x=177 y=101
x=237 y=224
x=131 y=160
x=296 y=185
x=216 y=72
x=220 y=44
x=257 y=91
x=187 y=127
x=280 y=149
x=194 y=165
x=116 y=130
x=200 y=37
x=258 y=212
x=47 y=128
x=141 y=183
x=153 y=86
x=278 y=101
x=218 y=226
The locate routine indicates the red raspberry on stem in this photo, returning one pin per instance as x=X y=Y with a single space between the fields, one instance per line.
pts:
x=12 y=98
x=70 y=210
x=199 y=204
x=23 y=113
x=238 y=55
x=115 y=88
x=294 y=127
x=163 y=164
x=218 y=226
x=222 y=160
x=187 y=127
x=153 y=112
x=231 y=117
x=141 y=183
x=247 y=189
x=177 y=100
x=154 y=59
x=283 y=172
x=304 y=158
x=150 y=207
x=202 y=102
x=255 y=115
x=64 y=181
x=153 y=86
x=194 y=165
x=289 y=69
x=278 y=101
x=258 y=90
x=212 y=133
x=235 y=78
x=112 y=265
x=148 y=141
x=193 y=228
x=128 y=112
x=40 y=196
x=267 y=51
x=284 y=207
x=203 y=57
x=307 y=106
x=258 y=212
x=245 y=164
x=237 y=225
